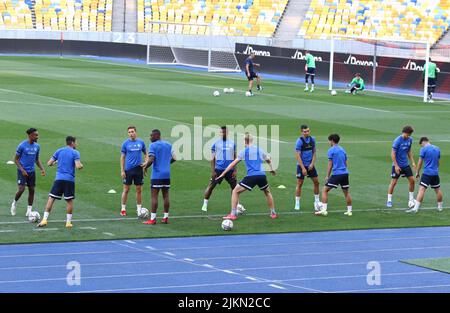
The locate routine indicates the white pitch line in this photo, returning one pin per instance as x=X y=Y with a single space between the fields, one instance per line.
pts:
x=108 y=234
x=8 y=231
x=45 y=229
x=88 y=227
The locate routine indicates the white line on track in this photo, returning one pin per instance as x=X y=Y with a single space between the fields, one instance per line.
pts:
x=130 y=241
x=276 y=286
x=189 y=260
x=150 y=248
x=169 y=253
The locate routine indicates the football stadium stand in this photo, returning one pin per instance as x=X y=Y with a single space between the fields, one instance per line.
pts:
x=233 y=17
x=396 y=19
x=16 y=14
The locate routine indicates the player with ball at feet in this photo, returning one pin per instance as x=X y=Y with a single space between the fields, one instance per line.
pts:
x=253 y=157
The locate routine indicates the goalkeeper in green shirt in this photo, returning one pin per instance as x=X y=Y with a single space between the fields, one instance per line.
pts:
x=357 y=84
x=432 y=71
x=310 y=69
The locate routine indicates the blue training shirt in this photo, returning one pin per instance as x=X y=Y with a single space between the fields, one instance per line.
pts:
x=308 y=149
x=28 y=154
x=430 y=154
x=254 y=158
x=66 y=158
x=401 y=147
x=162 y=151
x=224 y=151
x=133 y=150
x=338 y=156
x=250 y=64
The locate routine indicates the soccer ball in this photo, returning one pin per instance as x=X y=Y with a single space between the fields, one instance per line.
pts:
x=227 y=225
x=411 y=204
x=143 y=213
x=333 y=92
x=240 y=209
x=231 y=90
x=248 y=94
x=34 y=217
x=216 y=93
x=226 y=90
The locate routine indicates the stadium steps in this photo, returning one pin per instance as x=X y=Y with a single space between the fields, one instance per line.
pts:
x=290 y=23
x=130 y=16
x=33 y=13
x=118 y=16
x=445 y=38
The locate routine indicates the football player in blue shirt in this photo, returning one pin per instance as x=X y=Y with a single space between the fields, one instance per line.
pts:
x=253 y=157
x=429 y=157
x=27 y=155
x=305 y=153
x=223 y=153
x=401 y=152
x=130 y=168
x=68 y=159
x=160 y=155
x=251 y=74
x=337 y=166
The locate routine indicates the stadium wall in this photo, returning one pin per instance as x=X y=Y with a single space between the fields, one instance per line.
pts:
x=399 y=73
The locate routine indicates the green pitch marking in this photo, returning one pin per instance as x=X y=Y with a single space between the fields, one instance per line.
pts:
x=441 y=265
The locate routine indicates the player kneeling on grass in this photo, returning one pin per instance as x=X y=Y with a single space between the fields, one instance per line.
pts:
x=337 y=165
x=357 y=84
x=251 y=74
x=430 y=156
x=253 y=157
x=160 y=155
x=68 y=159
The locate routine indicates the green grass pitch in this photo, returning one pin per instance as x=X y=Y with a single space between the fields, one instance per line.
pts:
x=441 y=265
x=97 y=100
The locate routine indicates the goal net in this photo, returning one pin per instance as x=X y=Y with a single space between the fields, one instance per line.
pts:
x=384 y=64
x=196 y=45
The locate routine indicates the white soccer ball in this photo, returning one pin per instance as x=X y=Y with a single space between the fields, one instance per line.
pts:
x=216 y=93
x=226 y=90
x=411 y=204
x=333 y=92
x=248 y=94
x=34 y=217
x=240 y=209
x=231 y=90
x=227 y=225
x=143 y=213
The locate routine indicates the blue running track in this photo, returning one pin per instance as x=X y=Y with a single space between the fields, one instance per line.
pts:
x=335 y=261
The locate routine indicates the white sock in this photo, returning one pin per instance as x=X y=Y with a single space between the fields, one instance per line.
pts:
x=234 y=211
x=297 y=201
x=312 y=86
x=139 y=207
x=205 y=202
x=349 y=208
x=272 y=211
x=166 y=215
x=306 y=85
x=316 y=198
x=324 y=206
x=46 y=214
x=440 y=205
x=152 y=216
x=124 y=207
x=411 y=196
x=390 y=197
x=416 y=205
x=29 y=208
x=14 y=202
x=69 y=218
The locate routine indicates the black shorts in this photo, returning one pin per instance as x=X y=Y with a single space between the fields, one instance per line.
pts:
x=335 y=180
x=311 y=71
x=251 y=181
x=430 y=181
x=252 y=76
x=431 y=82
x=311 y=173
x=160 y=183
x=29 y=180
x=135 y=175
x=228 y=177
x=63 y=187
x=404 y=172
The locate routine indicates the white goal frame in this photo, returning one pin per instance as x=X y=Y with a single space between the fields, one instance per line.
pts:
x=426 y=45
x=202 y=49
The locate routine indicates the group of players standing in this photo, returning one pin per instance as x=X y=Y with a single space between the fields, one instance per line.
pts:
x=135 y=161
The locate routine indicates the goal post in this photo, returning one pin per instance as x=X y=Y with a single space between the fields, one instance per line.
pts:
x=197 y=45
x=382 y=61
